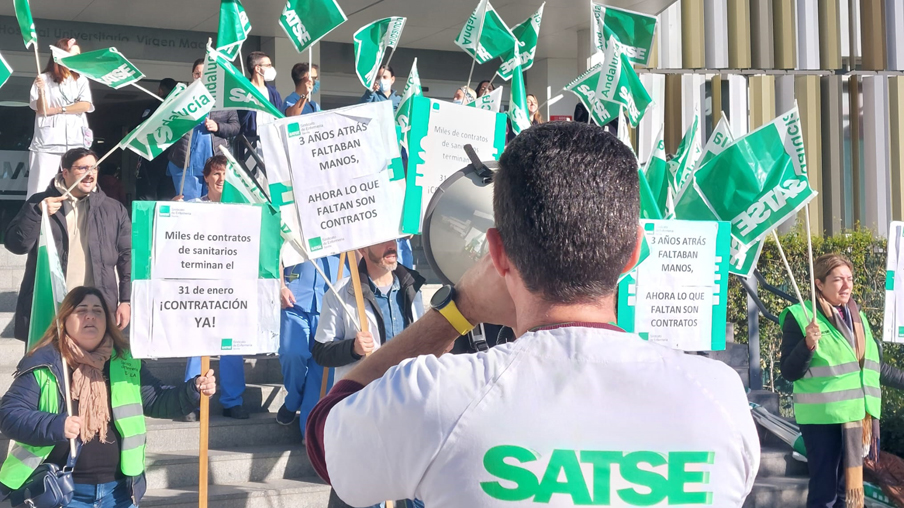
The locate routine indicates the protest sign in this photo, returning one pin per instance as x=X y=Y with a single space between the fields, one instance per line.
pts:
x=632 y=31
x=106 y=66
x=893 y=319
x=371 y=42
x=308 y=21
x=349 y=162
x=182 y=109
x=439 y=132
x=279 y=181
x=233 y=29
x=205 y=279
x=485 y=36
x=678 y=297
x=526 y=34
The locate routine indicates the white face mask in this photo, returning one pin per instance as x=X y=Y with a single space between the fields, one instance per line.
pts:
x=269 y=74
x=456 y=101
x=385 y=85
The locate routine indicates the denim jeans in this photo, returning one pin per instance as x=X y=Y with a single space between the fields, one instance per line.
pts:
x=105 y=495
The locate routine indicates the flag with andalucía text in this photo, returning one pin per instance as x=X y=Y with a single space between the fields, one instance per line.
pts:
x=234 y=28
x=526 y=34
x=308 y=21
x=106 y=66
x=403 y=114
x=584 y=87
x=619 y=83
x=684 y=162
x=485 y=36
x=26 y=23
x=231 y=90
x=371 y=42
x=517 y=111
x=489 y=102
x=5 y=71
x=50 y=284
x=632 y=31
x=182 y=109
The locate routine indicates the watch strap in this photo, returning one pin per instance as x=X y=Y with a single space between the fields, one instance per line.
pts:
x=456 y=318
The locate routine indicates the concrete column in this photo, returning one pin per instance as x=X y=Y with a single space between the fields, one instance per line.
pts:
x=875 y=153
x=761 y=40
x=894 y=33
x=669 y=37
x=831 y=97
x=830 y=34
x=674 y=124
x=785 y=34
x=855 y=128
x=739 y=34
x=693 y=53
x=738 y=105
x=872 y=30
x=807 y=92
x=716 y=34
x=808 y=39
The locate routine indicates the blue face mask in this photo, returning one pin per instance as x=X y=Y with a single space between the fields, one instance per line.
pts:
x=316 y=87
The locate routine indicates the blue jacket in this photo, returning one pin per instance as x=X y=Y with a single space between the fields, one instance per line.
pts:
x=22 y=422
x=308 y=286
x=248 y=118
x=371 y=96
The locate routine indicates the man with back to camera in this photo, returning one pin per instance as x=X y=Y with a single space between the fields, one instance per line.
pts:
x=575 y=411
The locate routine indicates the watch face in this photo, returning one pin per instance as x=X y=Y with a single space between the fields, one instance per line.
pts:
x=441 y=297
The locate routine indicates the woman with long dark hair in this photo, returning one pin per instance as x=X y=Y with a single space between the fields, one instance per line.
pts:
x=61 y=99
x=111 y=394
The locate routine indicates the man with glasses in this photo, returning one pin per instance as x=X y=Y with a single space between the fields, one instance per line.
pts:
x=307 y=83
x=93 y=236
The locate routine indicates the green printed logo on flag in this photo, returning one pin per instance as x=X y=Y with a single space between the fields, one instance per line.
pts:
x=371 y=42
x=485 y=36
x=5 y=71
x=26 y=23
x=633 y=31
x=619 y=83
x=584 y=87
x=106 y=66
x=308 y=21
x=231 y=90
x=184 y=108
x=403 y=114
x=234 y=28
x=526 y=34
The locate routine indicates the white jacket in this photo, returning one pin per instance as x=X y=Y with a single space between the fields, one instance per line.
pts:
x=60 y=133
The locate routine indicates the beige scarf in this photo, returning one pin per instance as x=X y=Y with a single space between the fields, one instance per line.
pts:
x=89 y=387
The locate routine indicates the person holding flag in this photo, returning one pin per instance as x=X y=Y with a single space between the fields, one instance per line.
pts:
x=306 y=78
x=93 y=235
x=61 y=100
x=382 y=89
x=261 y=74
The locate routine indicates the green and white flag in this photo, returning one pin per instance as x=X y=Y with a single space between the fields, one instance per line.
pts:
x=371 y=42
x=50 y=284
x=490 y=102
x=527 y=34
x=308 y=21
x=584 y=87
x=231 y=90
x=633 y=31
x=656 y=173
x=403 y=114
x=648 y=207
x=234 y=28
x=26 y=23
x=720 y=139
x=106 y=66
x=182 y=109
x=495 y=38
x=517 y=111
x=623 y=135
x=619 y=83
x=684 y=162
x=5 y=71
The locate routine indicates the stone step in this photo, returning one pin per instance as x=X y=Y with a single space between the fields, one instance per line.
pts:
x=258 y=369
x=10 y=260
x=6 y=325
x=168 y=436
x=8 y=298
x=778 y=492
x=11 y=277
x=308 y=492
x=776 y=461
x=174 y=470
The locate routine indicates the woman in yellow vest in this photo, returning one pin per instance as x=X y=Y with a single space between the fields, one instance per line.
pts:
x=835 y=364
x=111 y=395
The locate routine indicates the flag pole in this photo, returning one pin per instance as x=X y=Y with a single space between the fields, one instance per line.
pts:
x=326 y=370
x=810 y=253
x=781 y=252
x=34 y=46
x=145 y=90
x=481 y=20
x=72 y=447
x=241 y=60
x=185 y=163
x=202 y=443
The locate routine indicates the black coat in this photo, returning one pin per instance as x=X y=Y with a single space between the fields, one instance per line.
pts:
x=227 y=128
x=109 y=244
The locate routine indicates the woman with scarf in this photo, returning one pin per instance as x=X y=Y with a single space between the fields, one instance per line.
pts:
x=836 y=366
x=111 y=394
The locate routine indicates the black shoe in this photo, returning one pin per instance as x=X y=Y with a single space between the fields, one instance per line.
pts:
x=190 y=417
x=284 y=416
x=237 y=412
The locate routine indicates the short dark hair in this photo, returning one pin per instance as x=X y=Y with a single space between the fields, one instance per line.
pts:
x=489 y=88
x=385 y=68
x=216 y=160
x=566 y=200
x=298 y=72
x=166 y=86
x=198 y=62
x=253 y=60
x=75 y=154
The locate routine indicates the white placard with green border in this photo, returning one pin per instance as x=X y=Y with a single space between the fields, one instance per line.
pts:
x=205 y=279
x=893 y=321
x=347 y=177
x=439 y=132
x=679 y=296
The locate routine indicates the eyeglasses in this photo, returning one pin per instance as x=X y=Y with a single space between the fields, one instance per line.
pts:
x=82 y=169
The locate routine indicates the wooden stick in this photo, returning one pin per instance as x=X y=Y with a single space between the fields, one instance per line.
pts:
x=342 y=258
x=781 y=252
x=38 y=66
x=185 y=164
x=202 y=444
x=359 y=296
x=145 y=90
x=810 y=252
